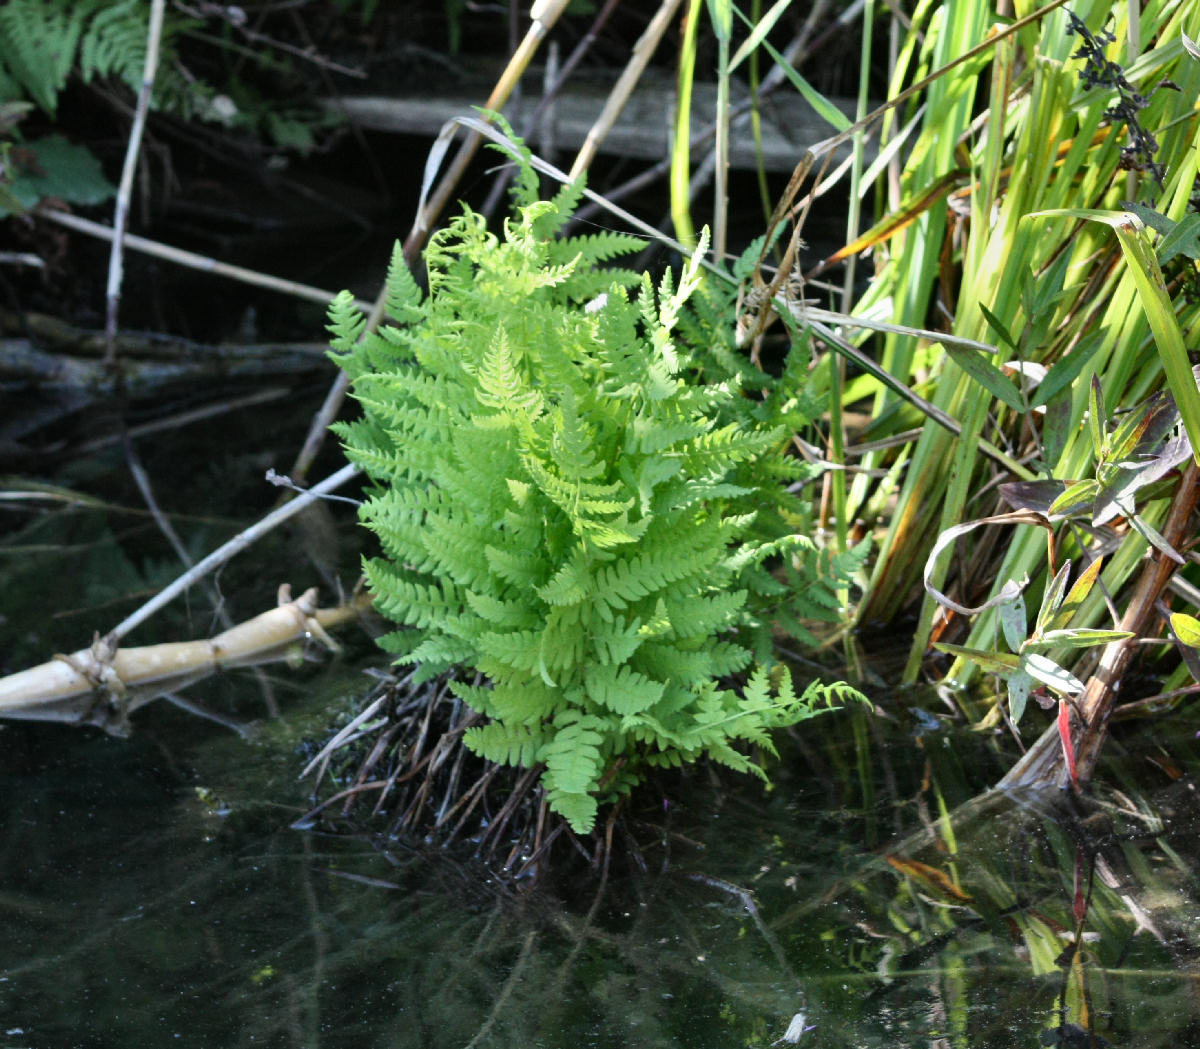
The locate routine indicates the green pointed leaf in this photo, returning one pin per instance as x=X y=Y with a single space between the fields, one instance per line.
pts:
x=827 y=110
x=997 y=325
x=1013 y=622
x=1160 y=312
x=1184 y=239
x=1097 y=417
x=1064 y=371
x=1079 y=496
x=1061 y=682
x=1187 y=628
x=1019 y=686
x=1078 y=637
x=991 y=378
x=1053 y=599
x=1126 y=437
x=991 y=662
x=758 y=33
x=1155 y=538
x=1075 y=596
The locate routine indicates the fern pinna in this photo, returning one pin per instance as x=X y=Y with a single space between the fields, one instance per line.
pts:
x=578 y=504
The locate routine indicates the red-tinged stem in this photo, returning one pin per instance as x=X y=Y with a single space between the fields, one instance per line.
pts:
x=1064 y=734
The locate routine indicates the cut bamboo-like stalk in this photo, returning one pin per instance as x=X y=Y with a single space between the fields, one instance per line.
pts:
x=103 y=684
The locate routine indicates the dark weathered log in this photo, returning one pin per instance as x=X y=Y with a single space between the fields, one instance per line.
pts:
x=789 y=124
x=1043 y=765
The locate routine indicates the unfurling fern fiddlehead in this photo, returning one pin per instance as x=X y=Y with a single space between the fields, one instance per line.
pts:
x=575 y=496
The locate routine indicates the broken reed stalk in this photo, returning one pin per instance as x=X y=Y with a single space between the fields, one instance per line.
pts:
x=190 y=259
x=1043 y=765
x=233 y=547
x=116 y=271
x=103 y=684
x=542 y=15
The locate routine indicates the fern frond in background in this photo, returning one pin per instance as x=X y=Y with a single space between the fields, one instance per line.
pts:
x=581 y=493
x=43 y=41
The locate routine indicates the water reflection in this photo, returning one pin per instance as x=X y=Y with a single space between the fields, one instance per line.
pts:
x=866 y=901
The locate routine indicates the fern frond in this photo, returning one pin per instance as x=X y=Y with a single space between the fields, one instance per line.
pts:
x=439 y=653
x=621 y=689
x=500 y=385
x=513 y=614
x=407 y=601
x=506 y=744
x=346 y=324
x=519 y=650
x=702 y=616
x=717 y=449
x=615 y=642
x=38 y=43
x=573 y=766
x=570 y=585
x=521 y=569
x=403 y=292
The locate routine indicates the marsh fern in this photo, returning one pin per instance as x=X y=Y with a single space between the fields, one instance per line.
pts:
x=580 y=492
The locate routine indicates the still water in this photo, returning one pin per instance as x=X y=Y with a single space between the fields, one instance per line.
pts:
x=870 y=899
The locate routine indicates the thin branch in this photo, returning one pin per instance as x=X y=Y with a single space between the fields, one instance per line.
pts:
x=194 y=261
x=132 y=149
x=235 y=546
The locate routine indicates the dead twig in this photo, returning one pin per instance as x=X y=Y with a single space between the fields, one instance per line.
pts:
x=125 y=190
x=103 y=684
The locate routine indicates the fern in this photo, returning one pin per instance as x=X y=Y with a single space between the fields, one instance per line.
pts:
x=43 y=41
x=578 y=498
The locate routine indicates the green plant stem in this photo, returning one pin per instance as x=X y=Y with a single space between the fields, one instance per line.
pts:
x=681 y=208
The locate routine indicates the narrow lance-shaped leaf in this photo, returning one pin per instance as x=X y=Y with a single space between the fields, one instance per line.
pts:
x=759 y=33
x=987 y=375
x=1013 y=622
x=1097 y=416
x=1151 y=287
x=1052 y=600
x=1049 y=673
x=1064 y=371
x=1078 y=637
x=997 y=325
x=992 y=662
x=1154 y=537
x=1075 y=596
x=1078 y=497
x=1019 y=686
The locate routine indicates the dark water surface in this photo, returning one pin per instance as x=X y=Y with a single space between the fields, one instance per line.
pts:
x=867 y=891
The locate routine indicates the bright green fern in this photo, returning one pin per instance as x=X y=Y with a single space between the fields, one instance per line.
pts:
x=43 y=41
x=581 y=493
